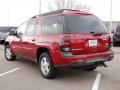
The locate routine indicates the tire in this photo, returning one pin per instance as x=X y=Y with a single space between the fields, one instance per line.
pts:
x=8 y=54
x=46 y=66
x=90 y=68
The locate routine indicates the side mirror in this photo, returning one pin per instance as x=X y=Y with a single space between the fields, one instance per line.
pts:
x=12 y=33
x=19 y=34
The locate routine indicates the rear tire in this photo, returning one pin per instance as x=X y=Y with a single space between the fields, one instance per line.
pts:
x=46 y=66
x=8 y=54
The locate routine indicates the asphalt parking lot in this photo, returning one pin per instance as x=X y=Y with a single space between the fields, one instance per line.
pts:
x=24 y=75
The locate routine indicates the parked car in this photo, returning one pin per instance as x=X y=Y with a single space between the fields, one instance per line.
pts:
x=2 y=40
x=4 y=32
x=3 y=37
x=116 y=36
x=61 y=39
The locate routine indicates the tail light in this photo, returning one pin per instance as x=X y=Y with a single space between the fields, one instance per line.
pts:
x=65 y=46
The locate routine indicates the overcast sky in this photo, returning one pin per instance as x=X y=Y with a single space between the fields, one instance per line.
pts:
x=14 y=12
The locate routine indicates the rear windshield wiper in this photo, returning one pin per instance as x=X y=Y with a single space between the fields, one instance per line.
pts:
x=97 y=32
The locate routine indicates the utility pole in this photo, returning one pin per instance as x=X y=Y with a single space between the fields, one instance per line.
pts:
x=8 y=12
x=111 y=15
x=39 y=7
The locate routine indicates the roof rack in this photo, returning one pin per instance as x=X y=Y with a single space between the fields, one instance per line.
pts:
x=53 y=12
x=34 y=17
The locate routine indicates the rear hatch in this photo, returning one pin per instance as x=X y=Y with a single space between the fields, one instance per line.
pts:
x=87 y=34
x=88 y=43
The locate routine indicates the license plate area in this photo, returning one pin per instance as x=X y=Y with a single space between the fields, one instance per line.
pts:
x=93 y=43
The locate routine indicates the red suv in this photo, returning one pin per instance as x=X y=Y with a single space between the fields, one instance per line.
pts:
x=63 y=38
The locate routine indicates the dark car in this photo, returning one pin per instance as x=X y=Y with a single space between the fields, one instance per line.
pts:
x=63 y=38
x=3 y=37
x=4 y=32
x=116 y=36
x=2 y=40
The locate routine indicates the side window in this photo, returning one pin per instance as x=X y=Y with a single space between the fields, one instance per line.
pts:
x=52 y=25
x=22 y=29
x=31 y=28
x=38 y=28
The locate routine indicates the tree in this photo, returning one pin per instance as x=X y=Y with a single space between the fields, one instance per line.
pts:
x=67 y=4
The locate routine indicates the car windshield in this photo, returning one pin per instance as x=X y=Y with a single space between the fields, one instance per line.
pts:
x=83 y=24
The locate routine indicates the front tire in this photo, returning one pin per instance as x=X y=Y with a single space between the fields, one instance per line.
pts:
x=46 y=66
x=8 y=54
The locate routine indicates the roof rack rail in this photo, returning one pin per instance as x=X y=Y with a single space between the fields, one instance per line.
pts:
x=34 y=17
x=53 y=12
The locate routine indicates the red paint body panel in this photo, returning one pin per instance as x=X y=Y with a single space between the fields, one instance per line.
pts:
x=79 y=48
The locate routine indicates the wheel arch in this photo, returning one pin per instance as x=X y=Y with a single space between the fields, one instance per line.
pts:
x=40 y=50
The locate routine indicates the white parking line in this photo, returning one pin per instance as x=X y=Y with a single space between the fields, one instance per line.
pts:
x=9 y=72
x=97 y=81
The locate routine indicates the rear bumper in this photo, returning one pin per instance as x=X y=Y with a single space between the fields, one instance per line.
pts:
x=83 y=60
x=91 y=61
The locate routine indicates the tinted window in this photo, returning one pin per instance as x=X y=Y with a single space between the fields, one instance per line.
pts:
x=22 y=29
x=52 y=25
x=83 y=24
x=31 y=28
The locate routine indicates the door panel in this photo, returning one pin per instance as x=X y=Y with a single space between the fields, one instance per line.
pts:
x=28 y=47
x=28 y=42
x=16 y=40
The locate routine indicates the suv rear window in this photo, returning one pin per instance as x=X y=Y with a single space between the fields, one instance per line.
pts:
x=83 y=24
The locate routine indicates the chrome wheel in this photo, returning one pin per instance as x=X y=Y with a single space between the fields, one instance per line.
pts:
x=45 y=66
x=8 y=53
